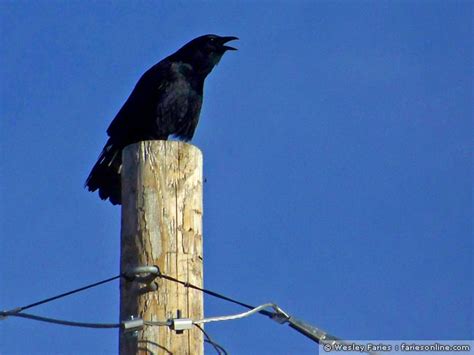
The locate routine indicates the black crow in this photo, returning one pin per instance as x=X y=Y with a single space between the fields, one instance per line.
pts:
x=166 y=101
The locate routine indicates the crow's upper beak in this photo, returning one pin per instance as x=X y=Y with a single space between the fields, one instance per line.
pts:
x=227 y=39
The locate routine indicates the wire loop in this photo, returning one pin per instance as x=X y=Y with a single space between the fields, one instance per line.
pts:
x=142 y=274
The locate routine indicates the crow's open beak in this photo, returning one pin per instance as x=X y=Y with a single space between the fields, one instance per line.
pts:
x=228 y=39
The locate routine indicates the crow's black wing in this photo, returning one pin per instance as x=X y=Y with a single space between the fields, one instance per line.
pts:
x=164 y=102
x=136 y=120
x=133 y=123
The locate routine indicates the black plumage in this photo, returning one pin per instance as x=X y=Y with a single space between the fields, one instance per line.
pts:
x=165 y=102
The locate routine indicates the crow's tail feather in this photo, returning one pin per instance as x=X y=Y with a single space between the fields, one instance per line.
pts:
x=105 y=175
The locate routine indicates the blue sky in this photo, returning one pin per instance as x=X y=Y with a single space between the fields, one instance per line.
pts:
x=337 y=150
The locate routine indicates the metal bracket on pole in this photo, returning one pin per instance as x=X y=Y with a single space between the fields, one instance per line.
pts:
x=180 y=324
x=144 y=275
x=132 y=326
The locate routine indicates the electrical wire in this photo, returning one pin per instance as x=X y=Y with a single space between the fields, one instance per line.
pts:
x=77 y=324
x=149 y=323
x=20 y=309
x=60 y=321
x=219 y=349
x=244 y=314
x=167 y=277
x=306 y=329
x=279 y=315
x=166 y=323
x=311 y=332
x=215 y=294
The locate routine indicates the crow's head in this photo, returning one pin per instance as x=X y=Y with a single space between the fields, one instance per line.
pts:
x=204 y=52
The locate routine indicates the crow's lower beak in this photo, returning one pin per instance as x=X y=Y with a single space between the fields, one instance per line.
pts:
x=228 y=39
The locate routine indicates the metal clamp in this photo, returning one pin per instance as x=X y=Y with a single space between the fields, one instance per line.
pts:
x=144 y=275
x=5 y=314
x=132 y=326
x=180 y=324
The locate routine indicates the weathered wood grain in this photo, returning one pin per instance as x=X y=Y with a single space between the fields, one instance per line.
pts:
x=162 y=225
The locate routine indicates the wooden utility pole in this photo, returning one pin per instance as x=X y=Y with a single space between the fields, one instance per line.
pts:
x=162 y=226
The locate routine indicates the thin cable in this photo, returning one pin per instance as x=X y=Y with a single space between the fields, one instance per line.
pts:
x=155 y=272
x=215 y=294
x=240 y=315
x=20 y=309
x=76 y=324
x=313 y=333
x=60 y=321
x=219 y=349
x=166 y=323
x=279 y=315
x=223 y=351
